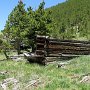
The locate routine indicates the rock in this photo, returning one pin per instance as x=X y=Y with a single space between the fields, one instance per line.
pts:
x=85 y=79
x=3 y=72
x=33 y=83
x=62 y=65
x=11 y=81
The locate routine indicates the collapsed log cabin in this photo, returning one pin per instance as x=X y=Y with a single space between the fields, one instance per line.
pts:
x=46 y=47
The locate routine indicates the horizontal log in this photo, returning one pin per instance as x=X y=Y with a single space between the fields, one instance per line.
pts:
x=53 y=55
x=73 y=41
x=59 y=47
x=69 y=44
x=60 y=50
x=41 y=41
x=40 y=52
x=62 y=55
x=69 y=52
x=41 y=44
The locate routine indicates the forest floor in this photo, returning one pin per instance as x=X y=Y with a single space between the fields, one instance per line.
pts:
x=21 y=75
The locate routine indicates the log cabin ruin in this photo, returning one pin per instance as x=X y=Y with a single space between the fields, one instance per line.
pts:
x=51 y=47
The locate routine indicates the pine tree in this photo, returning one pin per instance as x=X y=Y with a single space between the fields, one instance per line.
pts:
x=16 y=24
x=39 y=23
x=43 y=19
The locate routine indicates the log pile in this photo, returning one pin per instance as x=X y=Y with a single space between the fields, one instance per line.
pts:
x=68 y=47
x=46 y=47
x=61 y=48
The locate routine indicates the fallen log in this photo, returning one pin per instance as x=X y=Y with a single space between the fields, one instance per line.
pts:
x=33 y=58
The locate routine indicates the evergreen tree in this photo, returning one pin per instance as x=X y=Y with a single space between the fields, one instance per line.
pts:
x=43 y=19
x=16 y=24
x=39 y=23
x=4 y=45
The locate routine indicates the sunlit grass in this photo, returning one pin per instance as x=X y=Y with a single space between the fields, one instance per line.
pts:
x=52 y=77
x=2 y=56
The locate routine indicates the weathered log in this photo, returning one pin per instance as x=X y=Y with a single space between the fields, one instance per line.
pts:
x=46 y=47
x=68 y=48
x=69 y=44
x=73 y=41
x=70 y=52
x=33 y=58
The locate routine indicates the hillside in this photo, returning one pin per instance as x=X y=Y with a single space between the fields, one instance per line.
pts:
x=72 y=19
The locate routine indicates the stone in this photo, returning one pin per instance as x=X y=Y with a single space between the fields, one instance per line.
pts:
x=85 y=79
x=12 y=81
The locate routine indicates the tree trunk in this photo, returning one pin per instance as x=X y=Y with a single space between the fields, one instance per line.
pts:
x=7 y=57
x=18 y=45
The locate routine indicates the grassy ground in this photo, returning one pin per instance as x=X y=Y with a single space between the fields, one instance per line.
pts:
x=2 y=56
x=48 y=77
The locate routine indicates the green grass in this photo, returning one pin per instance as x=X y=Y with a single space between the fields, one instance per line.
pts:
x=51 y=77
x=2 y=56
